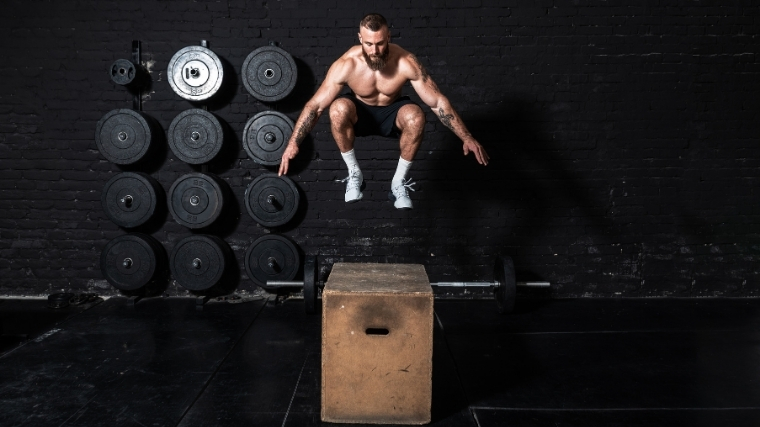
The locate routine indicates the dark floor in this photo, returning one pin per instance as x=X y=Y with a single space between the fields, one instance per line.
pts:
x=584 y=362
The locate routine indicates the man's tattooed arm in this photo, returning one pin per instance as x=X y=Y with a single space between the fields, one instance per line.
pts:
x=425 y=75
x=448 y=121
x=306 y=126
x=428 y=91
x=445 y=118
x=455 y=124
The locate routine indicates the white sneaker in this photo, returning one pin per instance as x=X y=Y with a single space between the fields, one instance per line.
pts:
x=399 y=194
x=354 y=182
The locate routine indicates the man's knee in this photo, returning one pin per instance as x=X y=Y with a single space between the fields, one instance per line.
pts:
x=411 y=119
x=342 y=111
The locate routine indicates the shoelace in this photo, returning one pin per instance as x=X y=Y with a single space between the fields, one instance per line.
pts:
x=352 y=179
x=400 y=190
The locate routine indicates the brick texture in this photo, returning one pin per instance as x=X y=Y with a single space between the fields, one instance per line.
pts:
x=623 y=139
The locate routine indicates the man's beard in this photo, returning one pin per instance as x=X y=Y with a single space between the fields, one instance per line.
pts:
x=376 y=63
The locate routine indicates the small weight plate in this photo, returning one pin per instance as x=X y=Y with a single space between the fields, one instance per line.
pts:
x=198 y=262
x=195 y=73
x=310 y=284
x=196 y=200
x=123 y=72
x=272 y=200
x=130 y=262
x=123 y=136
x=506 y=292
x=269 y=73
x=271 y=257
x=129 y=198
x=60 y=300
x=195 y=136
x=266 y=136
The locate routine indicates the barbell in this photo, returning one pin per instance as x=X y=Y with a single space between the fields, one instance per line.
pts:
x=504 y=285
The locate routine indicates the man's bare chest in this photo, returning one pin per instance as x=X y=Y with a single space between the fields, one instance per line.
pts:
x=376 y=86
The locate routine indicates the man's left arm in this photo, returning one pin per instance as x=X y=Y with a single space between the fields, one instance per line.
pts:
x=429 y=93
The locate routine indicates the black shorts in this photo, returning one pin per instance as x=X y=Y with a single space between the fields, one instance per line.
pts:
x=377 y=120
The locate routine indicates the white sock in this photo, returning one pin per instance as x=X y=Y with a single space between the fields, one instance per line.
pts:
x=350 y=158
x=401 y=170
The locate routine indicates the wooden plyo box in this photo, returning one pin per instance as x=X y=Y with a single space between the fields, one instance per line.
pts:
x=377 y=344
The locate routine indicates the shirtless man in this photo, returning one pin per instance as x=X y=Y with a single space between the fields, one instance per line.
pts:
x=376 y=71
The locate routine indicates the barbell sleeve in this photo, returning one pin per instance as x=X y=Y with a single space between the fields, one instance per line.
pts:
x=284 y=283
x=489 y=284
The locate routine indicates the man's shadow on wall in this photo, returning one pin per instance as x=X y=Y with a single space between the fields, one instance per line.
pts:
x=527 y=182
x=533 y=185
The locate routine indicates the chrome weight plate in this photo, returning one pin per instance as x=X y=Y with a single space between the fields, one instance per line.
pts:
x=271 y=257
x=199 y=261
x=272 y=200
x=195 y=136
x=123 y=136
x=130 y=199
x=266 y=136
x=195 y=73
x=131 y=261
x=269 y=73
x=196 y=200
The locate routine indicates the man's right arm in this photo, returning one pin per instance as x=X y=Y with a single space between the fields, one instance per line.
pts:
x=334 y=81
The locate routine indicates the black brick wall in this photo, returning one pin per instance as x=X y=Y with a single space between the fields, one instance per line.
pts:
x=623 y=139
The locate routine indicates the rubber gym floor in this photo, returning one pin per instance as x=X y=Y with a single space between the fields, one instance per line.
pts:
x=573 y=362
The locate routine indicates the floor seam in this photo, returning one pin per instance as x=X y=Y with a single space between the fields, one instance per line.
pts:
x=474 y=416
x=295 y=390
x=496 y=408
x=642 y=331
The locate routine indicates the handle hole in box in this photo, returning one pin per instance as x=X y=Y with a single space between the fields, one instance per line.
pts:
x=377 y=331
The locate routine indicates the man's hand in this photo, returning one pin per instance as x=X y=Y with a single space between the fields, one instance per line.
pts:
x=287 y=156
x=480 y=153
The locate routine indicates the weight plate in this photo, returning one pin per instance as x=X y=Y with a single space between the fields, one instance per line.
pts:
x=195 y=73
x=271 y=257
x=269 y=73
x=130 y=262
x=129 y=199
x=272 y=200
x=123 y=136
x=60 y=300
x=123 y=72
x=196 y=200
x=266 y=136
x=195 y=136
x=198 y=262
x=310 y=284
x=506 y=292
